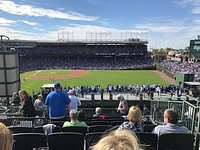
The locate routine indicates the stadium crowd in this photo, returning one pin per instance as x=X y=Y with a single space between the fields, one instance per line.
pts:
x=174 y=67
x=134 y=89
x=80 y=63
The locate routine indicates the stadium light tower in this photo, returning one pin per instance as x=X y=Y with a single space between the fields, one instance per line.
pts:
x=9 y=68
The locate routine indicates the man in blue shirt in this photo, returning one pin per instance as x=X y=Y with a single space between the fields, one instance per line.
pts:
x=58 y=103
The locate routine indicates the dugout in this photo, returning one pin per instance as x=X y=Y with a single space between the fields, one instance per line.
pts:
x=182 y=77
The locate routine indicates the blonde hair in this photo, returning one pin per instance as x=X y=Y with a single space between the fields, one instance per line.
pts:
x=6 y=139
x=118 y=140
x=135 y=114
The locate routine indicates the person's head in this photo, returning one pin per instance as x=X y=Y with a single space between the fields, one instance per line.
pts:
x=135 y=114
x=73 y=114
x=118 y=140
x=170 y=116
x=120 y=97
x=98 y=110
x=57 y=86
x=14 y=94
x=23 y=95
x=6 y=139
x=40 y=97
x=81 y=115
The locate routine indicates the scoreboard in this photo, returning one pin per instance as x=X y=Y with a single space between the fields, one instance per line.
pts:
x=194 y=49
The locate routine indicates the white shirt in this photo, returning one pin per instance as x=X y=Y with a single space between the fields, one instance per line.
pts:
x=169 y=128
x=75 y=102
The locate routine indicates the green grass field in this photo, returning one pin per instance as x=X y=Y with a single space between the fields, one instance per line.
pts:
x=93 y=77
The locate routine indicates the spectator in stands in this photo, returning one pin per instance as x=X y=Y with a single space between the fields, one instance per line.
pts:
x=118 y=140
x=74 y=120
x=81 y=115
x=75 y=101
x=6 y=139
x=170 y=124
x=134 y=122
x=39 y=105
x=57 y=102
x=27 y=104
x=15 y=100
x=123 y=105
x=98 y=113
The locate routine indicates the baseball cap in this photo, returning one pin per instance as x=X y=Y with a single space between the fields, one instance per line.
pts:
x=57 y=85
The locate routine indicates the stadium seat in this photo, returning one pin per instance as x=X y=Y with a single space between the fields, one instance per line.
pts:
x=58 y=123
x=97 y=119
x=102 y=122
x=39 y=129
x=28 y=141
x=148 y=141
x=99 y=128
x=82 y=130
x=149 y=127
x=66 y=141
x=116 y=119
x=92 y=138
x=115 y=123
x=176 y=141
x=18 y=129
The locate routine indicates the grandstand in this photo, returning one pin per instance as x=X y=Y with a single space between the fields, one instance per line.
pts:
x=107 y=54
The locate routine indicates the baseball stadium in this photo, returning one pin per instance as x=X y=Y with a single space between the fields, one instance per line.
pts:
x=98 y=73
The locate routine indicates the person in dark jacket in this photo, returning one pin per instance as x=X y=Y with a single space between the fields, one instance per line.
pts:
x=27 y=104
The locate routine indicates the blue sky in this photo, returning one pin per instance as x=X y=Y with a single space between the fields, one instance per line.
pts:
x=164 y=23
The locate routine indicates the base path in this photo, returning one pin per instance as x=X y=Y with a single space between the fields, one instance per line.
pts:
x=71 y=74
x=165 y=77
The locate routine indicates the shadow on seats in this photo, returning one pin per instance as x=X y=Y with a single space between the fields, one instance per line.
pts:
x=149 y=127
x=18 y=129
x=148 y=141
x=92 y=138
x=66 y=141
x=28 y=141
x=82 y=130
x=99 y=128
x=176 y=141
x=102 y=122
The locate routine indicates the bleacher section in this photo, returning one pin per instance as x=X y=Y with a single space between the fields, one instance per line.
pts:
x=83 y=55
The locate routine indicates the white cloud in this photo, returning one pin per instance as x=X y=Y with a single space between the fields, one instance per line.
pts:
x=16 y=9
x=6 y=22
x=159 y=28
x=30 y=23
x=195 y=5
x=17 y=34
